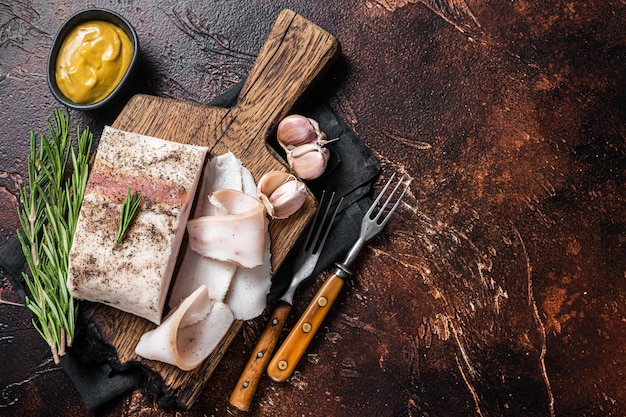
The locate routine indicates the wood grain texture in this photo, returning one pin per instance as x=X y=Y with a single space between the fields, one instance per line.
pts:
x=295 y=54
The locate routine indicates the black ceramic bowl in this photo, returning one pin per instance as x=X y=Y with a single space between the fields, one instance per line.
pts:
x=82 y=17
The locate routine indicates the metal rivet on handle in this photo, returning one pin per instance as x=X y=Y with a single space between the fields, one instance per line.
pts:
x=322 y=301
x=306 y=327
x=282 y=365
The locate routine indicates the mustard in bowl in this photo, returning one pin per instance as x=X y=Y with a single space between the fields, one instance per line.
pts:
x=92 y=59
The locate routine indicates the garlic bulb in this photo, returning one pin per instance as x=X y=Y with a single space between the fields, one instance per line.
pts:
x=281 y=193
x=295 y=130
x=308 y=161
x=304 y=143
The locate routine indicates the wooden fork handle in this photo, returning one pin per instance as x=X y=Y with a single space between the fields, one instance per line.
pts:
x=288 y=355
x=242 y=394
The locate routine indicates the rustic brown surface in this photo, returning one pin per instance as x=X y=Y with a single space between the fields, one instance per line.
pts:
x=499 y=287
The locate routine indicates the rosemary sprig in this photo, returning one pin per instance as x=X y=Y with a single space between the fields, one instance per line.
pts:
x=129 y=209
x=48 y=215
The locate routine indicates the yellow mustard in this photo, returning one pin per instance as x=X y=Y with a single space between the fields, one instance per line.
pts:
x=92 y=61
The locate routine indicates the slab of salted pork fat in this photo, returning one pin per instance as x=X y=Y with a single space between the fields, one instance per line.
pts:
x=133 y=276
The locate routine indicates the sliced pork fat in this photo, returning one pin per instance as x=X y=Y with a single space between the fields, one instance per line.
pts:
x=196 y=270
x=189 y=333
x=237 y=234
x=247 y=296
x=222 y=172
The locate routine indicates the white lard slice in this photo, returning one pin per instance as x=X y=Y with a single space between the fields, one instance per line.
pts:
x=237 y=237
x=197 y=270
x=248 y=185
x=247 y=296
x=189 y=334
x=135 y=275
x=223 y=172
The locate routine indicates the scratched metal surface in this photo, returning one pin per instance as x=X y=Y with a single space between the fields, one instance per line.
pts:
x=497 y=290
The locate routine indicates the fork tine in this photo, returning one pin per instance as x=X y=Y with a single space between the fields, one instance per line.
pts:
x=398 y=201
x=312 y=228
x=330 y=222
x=369 y=212
x=311 y=244
x=310 y=250
x=380 y=211
x=368 y=215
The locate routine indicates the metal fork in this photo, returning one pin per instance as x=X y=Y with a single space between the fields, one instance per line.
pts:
x=305 y=263
x=288 y=355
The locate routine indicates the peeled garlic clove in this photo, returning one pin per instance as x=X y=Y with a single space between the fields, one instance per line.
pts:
x=281 y=193
x=308 y=161
x=296 y=130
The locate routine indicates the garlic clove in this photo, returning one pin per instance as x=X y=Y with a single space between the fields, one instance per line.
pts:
x=270 y=181
x=308 y=161
x=320 y=138
x=295 y=130
x=281 y=193
x=287 y=199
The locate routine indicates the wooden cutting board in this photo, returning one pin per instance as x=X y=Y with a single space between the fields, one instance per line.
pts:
x=294 y=55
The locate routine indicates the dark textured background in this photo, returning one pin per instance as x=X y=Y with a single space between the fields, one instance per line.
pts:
x=499 y=287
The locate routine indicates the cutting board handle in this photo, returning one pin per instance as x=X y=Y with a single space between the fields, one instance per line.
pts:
x=294 y=55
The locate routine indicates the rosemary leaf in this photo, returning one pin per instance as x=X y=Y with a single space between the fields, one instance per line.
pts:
x=127 y=213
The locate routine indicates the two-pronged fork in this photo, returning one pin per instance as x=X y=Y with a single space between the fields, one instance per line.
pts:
x=288 y=355
x=304 y=265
